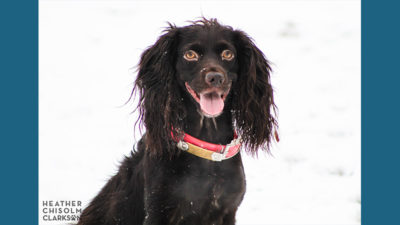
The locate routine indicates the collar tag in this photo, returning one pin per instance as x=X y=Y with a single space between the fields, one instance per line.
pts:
x=217 y=157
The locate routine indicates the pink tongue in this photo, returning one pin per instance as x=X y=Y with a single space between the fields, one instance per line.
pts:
x=211 y=104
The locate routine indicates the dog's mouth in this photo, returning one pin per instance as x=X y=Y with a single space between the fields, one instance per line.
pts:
x=211 y=100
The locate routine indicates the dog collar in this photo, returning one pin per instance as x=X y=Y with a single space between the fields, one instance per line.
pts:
x=208 y=150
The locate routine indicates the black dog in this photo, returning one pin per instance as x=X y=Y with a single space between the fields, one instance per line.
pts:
x=207 y=81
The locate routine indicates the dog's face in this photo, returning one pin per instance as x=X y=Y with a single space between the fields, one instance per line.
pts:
x=207 y=66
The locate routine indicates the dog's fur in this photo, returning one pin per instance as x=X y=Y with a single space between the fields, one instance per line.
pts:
x=159 y=184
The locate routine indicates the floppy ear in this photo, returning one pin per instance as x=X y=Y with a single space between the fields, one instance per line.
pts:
x=159 y=106
x=253 y=102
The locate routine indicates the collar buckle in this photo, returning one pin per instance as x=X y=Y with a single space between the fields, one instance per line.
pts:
x=182 y=146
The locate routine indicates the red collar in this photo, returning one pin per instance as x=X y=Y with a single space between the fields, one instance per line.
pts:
x=208 y=150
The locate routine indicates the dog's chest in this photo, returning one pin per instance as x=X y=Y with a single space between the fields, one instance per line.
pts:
x=204 y=191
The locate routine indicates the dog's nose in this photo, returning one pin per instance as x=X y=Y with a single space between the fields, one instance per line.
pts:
x=215 y=79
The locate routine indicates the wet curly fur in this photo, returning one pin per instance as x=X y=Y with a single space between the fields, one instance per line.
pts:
x=160 y=184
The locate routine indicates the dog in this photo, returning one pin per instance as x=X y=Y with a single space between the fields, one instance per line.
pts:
x=204 y=93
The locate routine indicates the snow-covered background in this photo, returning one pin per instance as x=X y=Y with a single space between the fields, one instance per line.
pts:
x=86 y=53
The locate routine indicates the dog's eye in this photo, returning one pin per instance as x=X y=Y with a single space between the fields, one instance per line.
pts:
x=227 y=55
x=191 y=55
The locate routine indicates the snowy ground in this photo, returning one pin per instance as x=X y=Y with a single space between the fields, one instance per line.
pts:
x=87 y=50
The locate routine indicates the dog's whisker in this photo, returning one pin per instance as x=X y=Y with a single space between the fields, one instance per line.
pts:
x=215 y=123
x=201 y=119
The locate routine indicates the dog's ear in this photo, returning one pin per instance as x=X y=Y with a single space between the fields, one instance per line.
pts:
x=159 y=106
x=253 y=101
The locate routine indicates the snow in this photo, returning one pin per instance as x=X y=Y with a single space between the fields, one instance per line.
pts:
x=87 y=54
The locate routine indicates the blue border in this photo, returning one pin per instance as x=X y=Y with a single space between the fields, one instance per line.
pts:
x=19 y=112
x=380 y=112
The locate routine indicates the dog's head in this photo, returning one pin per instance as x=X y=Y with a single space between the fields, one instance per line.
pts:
x=220 y=68
x=206 y=65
